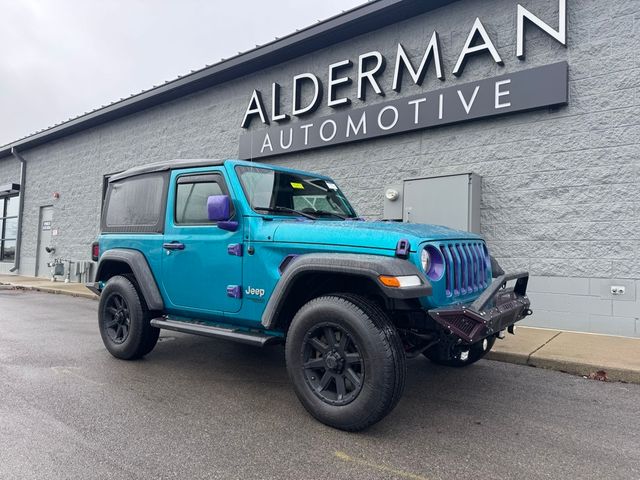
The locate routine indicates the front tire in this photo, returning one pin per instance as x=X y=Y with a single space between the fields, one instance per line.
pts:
x=346 y=361
x=123 y=319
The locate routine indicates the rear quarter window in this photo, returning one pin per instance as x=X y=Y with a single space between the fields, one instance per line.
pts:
x=136 y=204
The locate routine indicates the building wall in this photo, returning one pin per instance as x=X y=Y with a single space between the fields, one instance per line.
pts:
x=561 y=189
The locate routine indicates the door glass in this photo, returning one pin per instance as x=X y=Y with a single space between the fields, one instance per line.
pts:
x=12 y=207
x=191 y=201
x=9 y=250
x=11 y=228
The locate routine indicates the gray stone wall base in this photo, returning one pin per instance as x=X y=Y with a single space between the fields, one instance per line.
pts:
x=585 y=305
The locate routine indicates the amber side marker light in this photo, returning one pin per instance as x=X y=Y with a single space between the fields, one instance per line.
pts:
x=400 y=282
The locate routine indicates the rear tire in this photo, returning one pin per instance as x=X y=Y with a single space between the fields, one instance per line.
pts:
x=346 y=361
x=440 y=356
x=123 y=319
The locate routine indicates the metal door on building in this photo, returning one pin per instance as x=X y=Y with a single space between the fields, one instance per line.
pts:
x=450 y=200
x=44 y=241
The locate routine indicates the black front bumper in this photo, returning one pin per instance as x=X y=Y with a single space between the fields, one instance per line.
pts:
x=496 y=309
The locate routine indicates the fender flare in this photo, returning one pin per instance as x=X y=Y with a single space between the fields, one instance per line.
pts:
x=138 y=264
x=361 y=265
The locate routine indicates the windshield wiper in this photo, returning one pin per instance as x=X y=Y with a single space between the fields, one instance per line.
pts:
x=279 y=208
x=334 y=214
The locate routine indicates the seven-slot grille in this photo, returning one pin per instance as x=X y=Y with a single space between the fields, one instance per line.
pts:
x=466 y=267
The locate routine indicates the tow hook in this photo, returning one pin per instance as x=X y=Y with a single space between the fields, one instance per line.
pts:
x=512 y=329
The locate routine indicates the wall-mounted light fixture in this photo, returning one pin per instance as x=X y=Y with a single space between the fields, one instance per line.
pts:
x=391 y=194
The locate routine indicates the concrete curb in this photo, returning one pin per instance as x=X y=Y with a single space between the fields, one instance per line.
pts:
x=509 y=357
x=575 y=353
x=57 y=291
x=614 y=374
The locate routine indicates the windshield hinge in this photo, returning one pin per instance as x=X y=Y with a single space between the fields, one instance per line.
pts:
x=403 y=248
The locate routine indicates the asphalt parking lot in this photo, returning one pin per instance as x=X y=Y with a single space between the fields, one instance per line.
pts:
x=201 y=408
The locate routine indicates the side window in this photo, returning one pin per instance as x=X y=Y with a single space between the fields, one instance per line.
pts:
x=136 y=204
x=192 y=193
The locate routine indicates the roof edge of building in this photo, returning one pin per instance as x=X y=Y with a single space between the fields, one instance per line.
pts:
x=349 y=24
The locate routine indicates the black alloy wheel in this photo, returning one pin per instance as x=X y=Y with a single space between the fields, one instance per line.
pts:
x=124 y=319
x=333 y=364
x=345 y=360
x=118 y=321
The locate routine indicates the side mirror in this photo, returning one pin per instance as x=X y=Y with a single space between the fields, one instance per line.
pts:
x=219 y=210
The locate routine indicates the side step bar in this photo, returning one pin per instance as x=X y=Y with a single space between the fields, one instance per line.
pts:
x=242 y=336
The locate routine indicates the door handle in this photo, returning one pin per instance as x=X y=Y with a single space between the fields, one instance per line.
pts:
x=173 y=246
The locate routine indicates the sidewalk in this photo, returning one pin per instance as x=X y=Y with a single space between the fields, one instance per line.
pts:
x=46 y=285
x=583 y=354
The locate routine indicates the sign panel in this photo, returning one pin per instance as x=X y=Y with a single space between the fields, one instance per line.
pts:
x=520 y=91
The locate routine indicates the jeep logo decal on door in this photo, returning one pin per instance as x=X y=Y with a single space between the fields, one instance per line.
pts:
x=259 y=292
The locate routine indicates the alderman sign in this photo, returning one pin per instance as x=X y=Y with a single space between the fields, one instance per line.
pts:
x=525 y=90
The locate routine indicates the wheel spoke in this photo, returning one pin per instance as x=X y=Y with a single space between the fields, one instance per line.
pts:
x=112 y=310
x=353 y=377
x=318 y=345
x=332 y=364
x=353 y=359
x=118 y=332
x=344 y=341
x=125 y=331
x=324 y=381
x=111 y=323
x=314 y=363
x=117 y=302
x=341 y=388
x=330 y=336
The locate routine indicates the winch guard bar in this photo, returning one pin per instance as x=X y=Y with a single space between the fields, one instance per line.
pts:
x=494 y=310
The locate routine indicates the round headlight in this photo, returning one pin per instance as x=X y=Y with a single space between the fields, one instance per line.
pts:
x=425 y=260
x=432 y=262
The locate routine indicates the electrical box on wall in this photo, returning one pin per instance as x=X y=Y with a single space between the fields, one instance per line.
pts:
x=450 y=200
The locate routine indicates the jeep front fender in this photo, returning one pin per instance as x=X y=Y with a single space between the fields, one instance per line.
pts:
x=368 y=266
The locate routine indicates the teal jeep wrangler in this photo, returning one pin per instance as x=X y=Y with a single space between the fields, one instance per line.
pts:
x=265 y=255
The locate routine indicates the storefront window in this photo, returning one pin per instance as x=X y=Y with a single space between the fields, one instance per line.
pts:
x=8 y=228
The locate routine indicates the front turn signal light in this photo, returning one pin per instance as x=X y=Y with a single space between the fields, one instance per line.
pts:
x=400 y=282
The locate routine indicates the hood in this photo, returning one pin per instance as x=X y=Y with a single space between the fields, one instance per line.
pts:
x=364 y=234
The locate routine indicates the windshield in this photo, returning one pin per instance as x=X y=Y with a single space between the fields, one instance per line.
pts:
x=295 y=194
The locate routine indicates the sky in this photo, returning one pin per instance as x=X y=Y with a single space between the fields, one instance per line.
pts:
x=61 y=58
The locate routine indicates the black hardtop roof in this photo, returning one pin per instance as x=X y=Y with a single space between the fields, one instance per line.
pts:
x=165 y=165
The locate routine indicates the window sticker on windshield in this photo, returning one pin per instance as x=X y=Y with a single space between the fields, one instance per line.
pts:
x=332 y=186
x=297 y=185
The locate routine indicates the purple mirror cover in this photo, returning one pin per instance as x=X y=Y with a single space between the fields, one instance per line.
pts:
x=218 y=207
